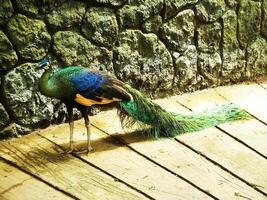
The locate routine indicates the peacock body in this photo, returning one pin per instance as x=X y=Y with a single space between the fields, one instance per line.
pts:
x=81 y=88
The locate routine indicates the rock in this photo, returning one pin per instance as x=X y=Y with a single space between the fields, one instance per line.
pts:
x=209 y=37
x=144 y=62
x=67 y=15
x=234 y=62
x=178 y=33
x=37 y=7
x=233 y=67
x=185 y=69
x=73 y=49
x=29 y=36
x=172 y=7
x=249 y=21
x=4 y=117
x=210 y=10
x=21 y=130
x=231 y=3
x=230 y=41
x=152 y=25
x=8 y=57
x=264 y=19
x=257 y=58
x=111 y=2
x=9 y=131
x=100 y=25
x=136 y=12
x=209 y=66
x=20 y=94
x=6 y=11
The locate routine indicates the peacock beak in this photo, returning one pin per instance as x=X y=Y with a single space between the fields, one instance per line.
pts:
x=43 y=63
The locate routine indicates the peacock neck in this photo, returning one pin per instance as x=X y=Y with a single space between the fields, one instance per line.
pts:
x=47 y=84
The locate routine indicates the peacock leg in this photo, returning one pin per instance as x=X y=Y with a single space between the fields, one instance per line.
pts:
x=71 y=125
x=87 y=125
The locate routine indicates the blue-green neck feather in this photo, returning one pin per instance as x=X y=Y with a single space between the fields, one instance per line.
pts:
x=57 y=84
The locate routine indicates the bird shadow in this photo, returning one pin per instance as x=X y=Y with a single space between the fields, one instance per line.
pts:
x=115 y=140
x=33 y=155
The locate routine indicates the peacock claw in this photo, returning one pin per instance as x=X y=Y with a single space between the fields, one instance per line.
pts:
x=85 y=151
x=69 y=151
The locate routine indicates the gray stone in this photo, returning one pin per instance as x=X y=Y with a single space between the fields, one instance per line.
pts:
x=67 y=15
x=185 y=69
x=21 y=130
x=264 y=20
x=209 y=37
x=20 y=94
x=233 y=58
x=111 y=2
x=230 y=41
x=9 y=131
x=73 y=49
x=232 y=3
x=100 y=25
x=209 y=66
x=37 y=7
x=29 y=36
x=178 y=33
x=233 y=67
x=249 y=21
x=172 y=7
x=152 y=25
x=6 y=11
x=8 y=57
x=4 y=117
x=136 y=12
x=257 y=58
x=144 y=62
x=210 y=10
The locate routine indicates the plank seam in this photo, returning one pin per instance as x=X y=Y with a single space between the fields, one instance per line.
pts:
x=156 y=163
x=216 y=163
x=232 y=136
x=265 y=88
x=242 y=142
x=14 y=186
x=98 y=168
x=222 y=167
x=37 y=177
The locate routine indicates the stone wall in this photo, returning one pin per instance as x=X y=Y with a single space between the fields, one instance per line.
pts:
x=158 y=46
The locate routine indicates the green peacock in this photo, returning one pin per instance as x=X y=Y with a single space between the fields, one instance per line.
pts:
x=80 y=88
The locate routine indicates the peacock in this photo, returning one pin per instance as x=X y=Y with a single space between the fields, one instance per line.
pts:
x=78 y=87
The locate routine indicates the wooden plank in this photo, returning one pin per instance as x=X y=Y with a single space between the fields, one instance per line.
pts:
x=251 y=132
x=179 y=159
x=251 y=97
x=122 y=162
x=40 y=157
x=15 y=183
x=225 y=150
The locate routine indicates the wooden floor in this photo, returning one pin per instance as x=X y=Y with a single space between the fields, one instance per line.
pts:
x=224 y=162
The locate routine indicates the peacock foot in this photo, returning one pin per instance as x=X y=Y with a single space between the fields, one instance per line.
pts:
x=85 y=151
x=69 y=151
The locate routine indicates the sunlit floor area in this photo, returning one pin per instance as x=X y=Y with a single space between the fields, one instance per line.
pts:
x=224 y=162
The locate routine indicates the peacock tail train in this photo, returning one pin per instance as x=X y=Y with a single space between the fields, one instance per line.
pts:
x=168 y=124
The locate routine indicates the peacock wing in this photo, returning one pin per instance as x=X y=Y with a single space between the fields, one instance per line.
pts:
x=97 y=88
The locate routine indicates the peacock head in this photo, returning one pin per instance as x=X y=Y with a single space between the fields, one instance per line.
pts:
x=44 y=64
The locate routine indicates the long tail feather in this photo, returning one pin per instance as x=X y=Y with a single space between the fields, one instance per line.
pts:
x=164 y=123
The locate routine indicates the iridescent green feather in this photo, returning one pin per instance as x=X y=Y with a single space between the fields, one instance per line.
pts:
x=164 y=123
